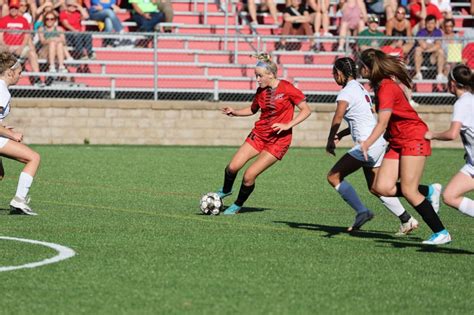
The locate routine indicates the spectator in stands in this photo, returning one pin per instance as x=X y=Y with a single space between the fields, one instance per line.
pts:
x=371 y=31
x=146 y=14
x=429 y=46
x=296 y=21
x=28 y=10
x=322 y=18
x=167 y=9
x=420 y=10
x=105 y=11
x=468 y=51
x=399 y=26
x=58 y=5
x=53 y=42
x=452 y=46
x=354 y=15
x=444 y=7
x=267 y=5
x=76 y=37
x=19 y=43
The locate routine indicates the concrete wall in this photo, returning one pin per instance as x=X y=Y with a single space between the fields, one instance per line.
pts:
x=167 y=122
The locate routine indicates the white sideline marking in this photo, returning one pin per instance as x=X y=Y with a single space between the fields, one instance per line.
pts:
x=64 y=253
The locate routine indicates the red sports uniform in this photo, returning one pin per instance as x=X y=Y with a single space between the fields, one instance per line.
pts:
x=431 y=9
x=405 y=130
x=277 y=106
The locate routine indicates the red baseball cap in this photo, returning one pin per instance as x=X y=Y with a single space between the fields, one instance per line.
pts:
x=14 y=4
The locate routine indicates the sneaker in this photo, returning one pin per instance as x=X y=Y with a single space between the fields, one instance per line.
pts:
x=439 y=238
x=222 y=194
x=418 y=76
x=441 y=78
x=20 y=206
x=92 y=56
x=62 y=70
x=52 y=69
x=84 y=57
x=361 y=219
x=233 y=209
x=408 y=227
x=435 y=195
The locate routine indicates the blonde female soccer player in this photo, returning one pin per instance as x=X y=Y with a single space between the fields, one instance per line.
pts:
x=271 y=137
x=461 y=84
x=407 y=148
x=355 y=106
x=11 y=145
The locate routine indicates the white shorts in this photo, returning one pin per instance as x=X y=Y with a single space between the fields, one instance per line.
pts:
x=3 y=142
x=375 y=154
x=468 y=169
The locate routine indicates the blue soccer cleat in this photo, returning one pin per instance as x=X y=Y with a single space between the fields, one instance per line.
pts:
x=233 y=209
x=222 y=194
x=440 y=238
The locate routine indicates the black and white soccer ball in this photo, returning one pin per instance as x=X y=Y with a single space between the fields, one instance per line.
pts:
x=211 y=203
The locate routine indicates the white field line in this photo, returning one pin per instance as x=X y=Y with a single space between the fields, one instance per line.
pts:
x=63 y=253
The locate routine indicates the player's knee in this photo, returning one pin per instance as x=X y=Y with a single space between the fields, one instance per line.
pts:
x=232 y=169
x=449 y=198
x=249 y=178
x=35 y=158
x=334 y=179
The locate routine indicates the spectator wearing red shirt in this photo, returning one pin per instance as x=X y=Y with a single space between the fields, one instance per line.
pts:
x=405 y=159
x=71 y=19
x=420 y=10
x=17 y=37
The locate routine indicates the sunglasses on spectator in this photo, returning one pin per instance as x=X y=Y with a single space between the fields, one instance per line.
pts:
x=50 y=19
x=400 y=12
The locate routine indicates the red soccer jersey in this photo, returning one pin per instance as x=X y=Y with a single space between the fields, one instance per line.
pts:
x=14 y=24
x=405 y=124
x=277 y=106
x=431 y=9
x=74 y=18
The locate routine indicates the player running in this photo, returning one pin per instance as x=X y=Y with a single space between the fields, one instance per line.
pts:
x=461 y=84
x=271 y=137
x=408 y=149
x=11 y=145
x=355 y=106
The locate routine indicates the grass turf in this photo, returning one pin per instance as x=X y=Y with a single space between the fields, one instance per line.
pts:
x=131 y=214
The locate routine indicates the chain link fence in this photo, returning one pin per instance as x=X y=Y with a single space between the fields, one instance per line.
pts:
x=219 y=67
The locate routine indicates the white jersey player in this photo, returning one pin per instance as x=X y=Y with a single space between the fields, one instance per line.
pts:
x=461 y=84
x=11 y=145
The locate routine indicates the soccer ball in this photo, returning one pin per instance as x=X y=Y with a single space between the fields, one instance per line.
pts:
x=211 y=203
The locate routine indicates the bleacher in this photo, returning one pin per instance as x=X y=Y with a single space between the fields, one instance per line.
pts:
x=208 y=55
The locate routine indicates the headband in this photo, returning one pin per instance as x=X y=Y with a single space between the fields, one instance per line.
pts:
x=262 y=64
x=16 y=65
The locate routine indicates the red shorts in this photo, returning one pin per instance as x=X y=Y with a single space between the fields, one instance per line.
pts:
x=276 y=146
x=412 y=148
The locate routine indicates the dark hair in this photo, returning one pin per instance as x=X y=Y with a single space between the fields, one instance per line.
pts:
x=430 y=17
x=402 y=7
x=347 y=66
x=7 y=60
x=462 y=76
x=446 y=21
x=382 y=66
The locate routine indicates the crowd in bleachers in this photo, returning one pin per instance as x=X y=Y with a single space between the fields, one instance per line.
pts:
x=58 y=37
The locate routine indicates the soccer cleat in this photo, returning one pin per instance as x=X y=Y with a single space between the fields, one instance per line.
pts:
x=20 y=205
x=222 y=194
x=439 y=238
x=233 y=209
x=435 y=195
x=361 y=219
x=418 y=76
x=408 y=227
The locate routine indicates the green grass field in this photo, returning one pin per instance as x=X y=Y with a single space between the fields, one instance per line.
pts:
x=131 y=214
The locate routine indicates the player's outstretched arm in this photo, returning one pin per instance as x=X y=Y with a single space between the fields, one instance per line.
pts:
x=229 y=111
x=447 y=135
x=304 y=113
x=379 y=129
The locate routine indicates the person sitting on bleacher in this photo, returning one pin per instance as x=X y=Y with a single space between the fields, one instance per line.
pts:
x=444 y=7
x=28 y=10
x=19 y=43
x=399 y=26
x=264 y=6
x=53 y=42
x=146 y=14
x=76 y=37
x=296 y=22
x=430 y=47
x=354 y=15
x=167 y=9
x=371 y=31
x=58 y=5
x=420 y=10
x=105 y=11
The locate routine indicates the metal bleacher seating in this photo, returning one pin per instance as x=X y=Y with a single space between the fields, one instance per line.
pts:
x=206 y=56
